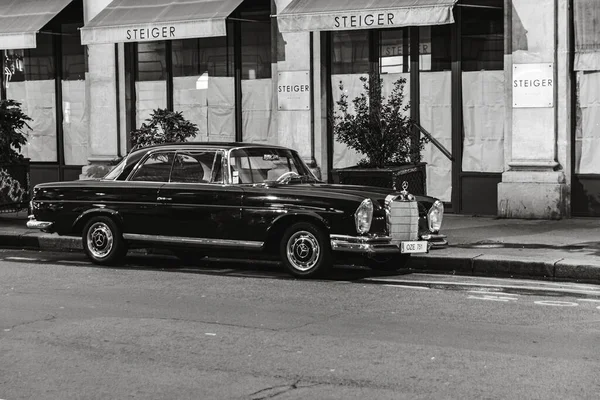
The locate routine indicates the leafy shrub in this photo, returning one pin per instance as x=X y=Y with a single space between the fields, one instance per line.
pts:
x=163 y=126
x=380 y=128
x=13 y=137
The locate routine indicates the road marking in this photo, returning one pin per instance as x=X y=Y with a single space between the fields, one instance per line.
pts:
x=489 y=285
x=210 y=334
x=493 y=298
x=590 y=300
x=556 y=303
x=409 y=287
x=491 y=293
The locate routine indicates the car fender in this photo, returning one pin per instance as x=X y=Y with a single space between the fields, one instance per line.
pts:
x=87 y=214
x=285 y=220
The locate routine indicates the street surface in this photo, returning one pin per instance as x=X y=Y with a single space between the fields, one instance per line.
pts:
x=155 y=329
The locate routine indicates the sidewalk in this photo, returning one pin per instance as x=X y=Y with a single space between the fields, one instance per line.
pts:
x=566 y=250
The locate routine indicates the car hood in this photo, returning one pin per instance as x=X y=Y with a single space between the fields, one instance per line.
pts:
x=351 y=192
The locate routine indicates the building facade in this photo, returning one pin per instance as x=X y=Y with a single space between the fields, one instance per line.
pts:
x=507 y=86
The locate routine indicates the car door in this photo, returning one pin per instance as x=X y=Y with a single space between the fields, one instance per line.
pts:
x=137 y=195
x=196 y=203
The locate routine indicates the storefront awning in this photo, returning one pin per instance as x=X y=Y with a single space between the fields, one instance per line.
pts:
x=333 y=15
x=21 y=20
x=150 y=20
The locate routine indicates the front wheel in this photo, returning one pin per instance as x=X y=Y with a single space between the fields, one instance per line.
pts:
x=103 y=241
x=305 y=250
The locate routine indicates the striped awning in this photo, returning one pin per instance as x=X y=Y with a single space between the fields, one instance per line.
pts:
x=332 y=15
x=21 y=20
x=150 y=20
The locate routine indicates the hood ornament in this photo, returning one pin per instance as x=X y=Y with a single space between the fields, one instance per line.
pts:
x=404 y=195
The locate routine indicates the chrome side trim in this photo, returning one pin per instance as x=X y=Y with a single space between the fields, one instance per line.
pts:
x=197 y=241
x=34 y=224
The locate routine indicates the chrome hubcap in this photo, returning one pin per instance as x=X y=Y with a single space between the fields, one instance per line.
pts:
x=100 y=240
x=303 y=250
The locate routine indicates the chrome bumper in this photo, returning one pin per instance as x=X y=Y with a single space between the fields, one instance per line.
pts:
x=362 y=244
x=34 y=224
x=437 y=240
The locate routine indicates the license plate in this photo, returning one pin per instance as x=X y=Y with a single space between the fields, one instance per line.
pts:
x=414 y=247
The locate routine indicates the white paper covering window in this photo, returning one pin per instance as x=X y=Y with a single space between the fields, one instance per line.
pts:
x=209 y=103
x=150 y=95
x=436 y=117
x=483 y=119
x=588 y=135
x=38 y=101
x=257 y=111
x=75 y=122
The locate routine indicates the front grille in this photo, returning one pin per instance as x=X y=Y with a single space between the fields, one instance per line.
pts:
x=402 y=219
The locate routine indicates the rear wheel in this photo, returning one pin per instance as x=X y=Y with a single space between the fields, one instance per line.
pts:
x=103 y=241
x=305 y=250
x=389 y=263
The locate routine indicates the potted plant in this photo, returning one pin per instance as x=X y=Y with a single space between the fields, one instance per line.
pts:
x=380 y=129
x=14 y=167
x=163 y=126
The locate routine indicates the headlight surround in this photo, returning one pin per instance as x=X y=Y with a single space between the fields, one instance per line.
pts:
x=364 y=216
x=435 y=216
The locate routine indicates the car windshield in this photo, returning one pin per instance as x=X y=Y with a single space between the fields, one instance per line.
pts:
x=260 y=165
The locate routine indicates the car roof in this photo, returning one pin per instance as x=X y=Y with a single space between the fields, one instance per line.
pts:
x=222 y=145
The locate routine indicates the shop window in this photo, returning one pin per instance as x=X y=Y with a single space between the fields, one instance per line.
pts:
x=151 y=79
x=73 y=53
x=434 y=48
x=482 y=35
x=75 y=117
x=256 y=44
x=483 y=85
x=257 y=86
x=394 y=51
x=195 y=57
x=29 y=78
x=350 y=52
x=203 y=85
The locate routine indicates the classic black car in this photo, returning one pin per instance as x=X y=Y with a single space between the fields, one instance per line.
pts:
x=197 y=198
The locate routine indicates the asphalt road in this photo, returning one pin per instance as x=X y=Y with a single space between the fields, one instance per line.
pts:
x=155 y=330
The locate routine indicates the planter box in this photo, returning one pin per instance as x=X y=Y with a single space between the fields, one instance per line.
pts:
x=14 y=187
x=391 y=177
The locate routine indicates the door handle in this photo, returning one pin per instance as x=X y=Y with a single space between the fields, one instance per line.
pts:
x=164 y=199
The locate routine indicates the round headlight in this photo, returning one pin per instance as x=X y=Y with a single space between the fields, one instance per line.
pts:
x=364 y=216
x=435 y=216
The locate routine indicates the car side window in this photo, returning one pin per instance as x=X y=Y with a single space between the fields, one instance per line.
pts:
x=156 y=168
x=196 y=167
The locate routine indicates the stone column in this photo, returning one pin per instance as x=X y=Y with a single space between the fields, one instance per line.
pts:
x=101 y=94
x=536 y=181
x=293 y=54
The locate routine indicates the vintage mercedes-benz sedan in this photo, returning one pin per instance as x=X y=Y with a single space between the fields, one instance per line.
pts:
x=236 y=199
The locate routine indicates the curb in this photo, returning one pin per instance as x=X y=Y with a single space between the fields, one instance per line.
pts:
x=570 y=270
x=474 y=264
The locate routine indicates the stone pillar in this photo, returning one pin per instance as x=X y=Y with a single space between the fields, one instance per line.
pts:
x=293 y=54
x=101 y=94
x=536 y=181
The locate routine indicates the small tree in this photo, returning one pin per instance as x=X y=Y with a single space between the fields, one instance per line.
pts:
x=13 y=137
x=380 y=128
x=163 y=126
